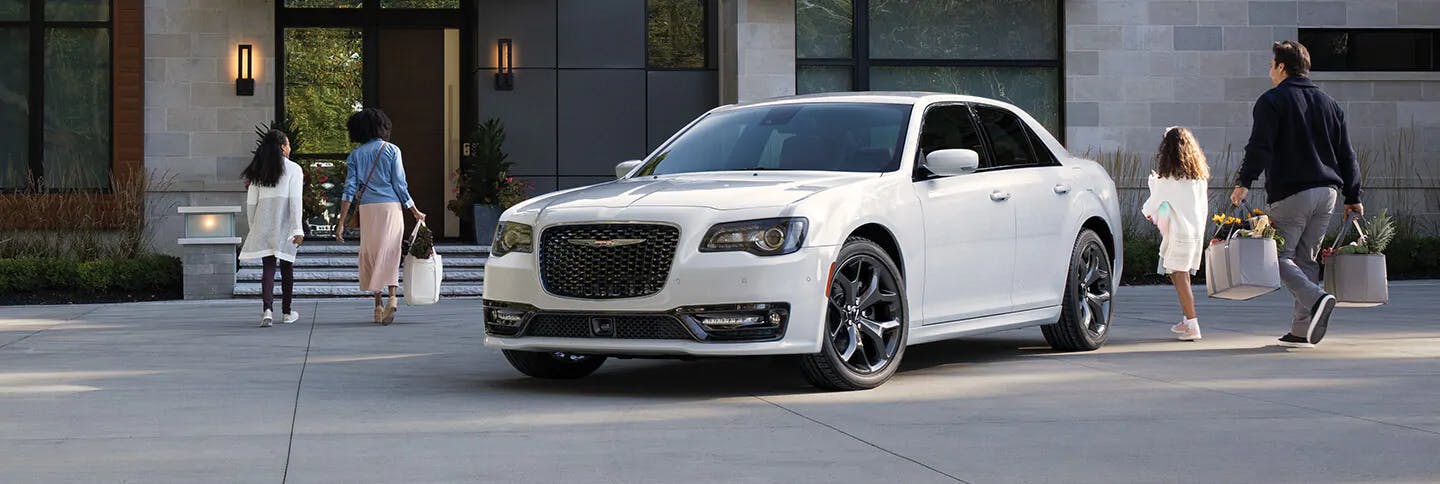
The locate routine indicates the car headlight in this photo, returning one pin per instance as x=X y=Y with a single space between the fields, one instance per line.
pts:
x=512 y=237
x=772 y=236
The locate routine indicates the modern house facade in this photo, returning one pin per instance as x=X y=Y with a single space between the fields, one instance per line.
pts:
x=176 y=88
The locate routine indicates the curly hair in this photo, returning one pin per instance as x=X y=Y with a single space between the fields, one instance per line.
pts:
x=1180 y=157
x=368 y=124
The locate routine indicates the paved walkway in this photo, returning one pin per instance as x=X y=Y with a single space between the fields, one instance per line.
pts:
x=191 y=392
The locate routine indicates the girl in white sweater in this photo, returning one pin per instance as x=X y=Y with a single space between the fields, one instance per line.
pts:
x=1177 y=205
x=274 y=208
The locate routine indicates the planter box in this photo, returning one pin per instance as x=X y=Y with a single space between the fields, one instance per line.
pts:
x=1357 y=280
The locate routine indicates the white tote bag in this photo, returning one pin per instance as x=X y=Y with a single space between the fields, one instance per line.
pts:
x=422 y=276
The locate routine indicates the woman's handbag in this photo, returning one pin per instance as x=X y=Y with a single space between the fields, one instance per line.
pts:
x=352 y=219
x=1356 y=280
x=1241 y=268
x=422 y=276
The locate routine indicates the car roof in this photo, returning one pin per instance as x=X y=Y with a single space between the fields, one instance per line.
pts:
x=878 y=97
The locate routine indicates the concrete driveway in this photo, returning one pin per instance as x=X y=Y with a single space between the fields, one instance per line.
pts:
x=187 y=392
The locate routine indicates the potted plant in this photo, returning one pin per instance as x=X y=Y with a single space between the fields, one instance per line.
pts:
x=484 y=187
x=1355 y=273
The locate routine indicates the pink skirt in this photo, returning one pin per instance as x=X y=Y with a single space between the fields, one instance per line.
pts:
x=381 y=227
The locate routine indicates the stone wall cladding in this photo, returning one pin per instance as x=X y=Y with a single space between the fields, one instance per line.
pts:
x=1202 y=64
x=198 y=133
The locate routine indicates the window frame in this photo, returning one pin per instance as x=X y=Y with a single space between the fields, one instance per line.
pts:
x=919 y=172
x=36 y=27
x=990 y=143
x=1434 y=47
x=860 y=61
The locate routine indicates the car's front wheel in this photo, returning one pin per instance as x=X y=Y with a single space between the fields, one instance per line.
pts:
x=865 y=323
x=553 y=364
x=1084 y=322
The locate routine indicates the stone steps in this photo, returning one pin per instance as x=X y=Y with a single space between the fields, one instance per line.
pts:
x=329 y=270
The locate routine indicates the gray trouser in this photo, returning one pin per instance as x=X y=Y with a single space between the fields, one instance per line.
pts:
x=1301 y=220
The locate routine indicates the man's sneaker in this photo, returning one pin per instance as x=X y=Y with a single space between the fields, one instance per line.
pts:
x=1292 y=341
x=1320 y=318
x=291 y=317
x=266 y=318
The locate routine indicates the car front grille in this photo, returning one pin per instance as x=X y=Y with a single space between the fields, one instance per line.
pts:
x=600 y=326
x=606 y=261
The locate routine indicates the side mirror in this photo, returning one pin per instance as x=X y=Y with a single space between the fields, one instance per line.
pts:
x=952 y=162
x=625 y=167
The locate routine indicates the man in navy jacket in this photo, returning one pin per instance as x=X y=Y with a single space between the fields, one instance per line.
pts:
x=1301 y=144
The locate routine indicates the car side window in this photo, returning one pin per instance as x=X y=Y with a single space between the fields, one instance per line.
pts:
x=1009 y=140
x=950 y=127
x=1043 y=155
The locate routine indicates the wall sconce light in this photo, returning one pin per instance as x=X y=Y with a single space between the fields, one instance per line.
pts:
x=505 y=60
x=245 y=71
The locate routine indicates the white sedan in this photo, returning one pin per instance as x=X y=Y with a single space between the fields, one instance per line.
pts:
x=839 y=227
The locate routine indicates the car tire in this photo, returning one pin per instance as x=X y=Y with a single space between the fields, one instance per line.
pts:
x=553 y=365
x=1088 y=291
x=884 y=322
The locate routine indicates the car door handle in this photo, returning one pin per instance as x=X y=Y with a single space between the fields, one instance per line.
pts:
x=1062 y=189
x=999 y=196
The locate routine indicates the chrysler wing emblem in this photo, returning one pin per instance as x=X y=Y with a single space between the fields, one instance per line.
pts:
x=605 y=243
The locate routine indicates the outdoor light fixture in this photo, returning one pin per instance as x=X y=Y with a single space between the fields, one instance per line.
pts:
x=245 y=71
x=209 y=222
x=505 y=62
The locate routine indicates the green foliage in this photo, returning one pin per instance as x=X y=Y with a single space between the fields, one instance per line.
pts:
x=676 y=33
x=424 y=244
x=287 y=126
x=323 y=84
x=1142 y=255
x=1382 y=232
x=153 y=272
x=487 y=175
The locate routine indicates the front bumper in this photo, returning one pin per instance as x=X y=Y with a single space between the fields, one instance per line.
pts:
x=795 y=282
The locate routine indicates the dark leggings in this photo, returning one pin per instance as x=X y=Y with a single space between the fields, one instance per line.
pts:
x=287 y=285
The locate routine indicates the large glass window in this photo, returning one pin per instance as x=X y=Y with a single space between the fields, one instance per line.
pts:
x=55 y=99
x=1000 y=49
x=675 y=34
x=1372 y=49
x=324 y=84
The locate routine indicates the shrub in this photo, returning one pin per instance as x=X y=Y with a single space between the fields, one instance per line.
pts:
x=147 y=273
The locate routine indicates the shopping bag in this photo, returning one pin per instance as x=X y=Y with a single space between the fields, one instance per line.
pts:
x=1242 y=268
x=422 y=276
x=1356 y=280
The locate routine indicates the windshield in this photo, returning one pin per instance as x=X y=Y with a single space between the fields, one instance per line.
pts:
x=856 y=137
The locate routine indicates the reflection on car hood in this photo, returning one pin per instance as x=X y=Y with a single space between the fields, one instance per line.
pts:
x=720 y=191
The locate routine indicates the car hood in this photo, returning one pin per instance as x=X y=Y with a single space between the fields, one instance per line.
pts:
x=720 y=191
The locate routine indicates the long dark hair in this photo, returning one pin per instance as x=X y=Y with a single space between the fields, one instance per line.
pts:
x=1180 y=157
x=267 y=166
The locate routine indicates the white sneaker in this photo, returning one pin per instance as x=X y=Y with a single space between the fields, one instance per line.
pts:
x=266 y=318
x=291 y=317
x=1189 y=330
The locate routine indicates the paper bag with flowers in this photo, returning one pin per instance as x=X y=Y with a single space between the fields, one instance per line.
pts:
x=1254 y=225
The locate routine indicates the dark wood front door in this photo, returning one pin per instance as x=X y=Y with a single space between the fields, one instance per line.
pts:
x=412 y=93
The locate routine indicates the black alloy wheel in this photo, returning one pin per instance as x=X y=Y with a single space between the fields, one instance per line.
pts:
x=1088 y=306
x=865 y=322
x=556 y=365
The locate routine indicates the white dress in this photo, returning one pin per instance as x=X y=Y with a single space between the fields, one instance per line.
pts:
x=1181 y=222
x=275 y=215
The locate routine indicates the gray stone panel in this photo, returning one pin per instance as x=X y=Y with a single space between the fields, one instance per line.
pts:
x=1374 y=13
x=1174 y=13
x=529 y=116
x=1124 y=114
x=1198 y=38
x=1082 y=63
x=1124 y=12
x=1419 y=12
x=1082 y=114
x=1175 y=114
x=1273 y=13
x=602 y=34
x=1082 y=12
x=1323 y=14
x=1093 y=38
x=530 y=24
x=673 y=99
x=1248 y=38
x=602 y=120
x=1224 y=13
x=1398 y=90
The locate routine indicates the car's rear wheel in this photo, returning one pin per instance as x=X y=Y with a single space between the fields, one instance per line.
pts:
x=553 y=364
x=865 y=322
x=1085 y=314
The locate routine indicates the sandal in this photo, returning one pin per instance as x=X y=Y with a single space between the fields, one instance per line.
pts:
x=379 y=313
x=388 y=316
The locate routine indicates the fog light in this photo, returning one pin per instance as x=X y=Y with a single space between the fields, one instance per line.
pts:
x=506 y=317
x=730 y=321
x=776 y=318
